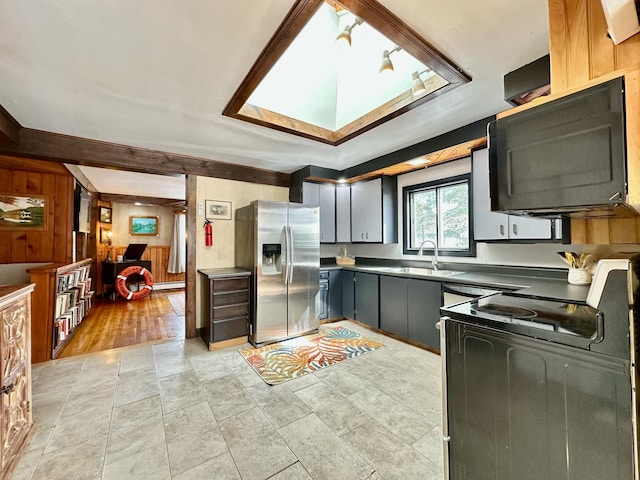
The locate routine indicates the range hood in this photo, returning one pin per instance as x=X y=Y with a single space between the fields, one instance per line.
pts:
x=564 y=157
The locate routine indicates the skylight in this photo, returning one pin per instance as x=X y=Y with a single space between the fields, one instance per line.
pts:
x=308 y=84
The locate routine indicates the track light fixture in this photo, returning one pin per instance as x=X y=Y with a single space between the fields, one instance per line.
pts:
x=344 y=38
x=417 y=85
x=386 y=65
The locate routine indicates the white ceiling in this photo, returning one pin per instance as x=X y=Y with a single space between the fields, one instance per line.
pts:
x=134 y=183
x=158 y=73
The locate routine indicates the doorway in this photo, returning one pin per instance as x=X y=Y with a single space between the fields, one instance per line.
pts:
x=113 y=321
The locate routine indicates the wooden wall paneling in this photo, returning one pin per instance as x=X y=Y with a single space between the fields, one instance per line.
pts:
x=628 y=53
x=632 y=93
x=47 y=240
x=601 y=48
x=578 y=231
x=598 y=231
x=19 y=237
x=577 y=41
x=558 y=45
x=623 y=230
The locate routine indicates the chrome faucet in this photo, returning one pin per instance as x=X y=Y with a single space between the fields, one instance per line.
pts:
x=434 y=260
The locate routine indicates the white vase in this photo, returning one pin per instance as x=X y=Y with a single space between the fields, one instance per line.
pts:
x=579 y=276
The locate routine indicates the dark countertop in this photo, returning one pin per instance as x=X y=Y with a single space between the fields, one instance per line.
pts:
x=521 y=285
x=225 y=272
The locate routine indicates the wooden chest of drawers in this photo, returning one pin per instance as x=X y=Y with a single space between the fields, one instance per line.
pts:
x=225 y=300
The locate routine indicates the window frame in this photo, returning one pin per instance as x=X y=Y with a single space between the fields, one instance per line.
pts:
x=406 y=212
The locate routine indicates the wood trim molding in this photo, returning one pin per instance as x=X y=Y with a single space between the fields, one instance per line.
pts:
x=191 y=272
x=160 y=202
x=378 y=17
x=56 y=147
x=9 y=127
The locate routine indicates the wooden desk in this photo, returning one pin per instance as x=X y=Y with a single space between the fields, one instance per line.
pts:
x=110 y=271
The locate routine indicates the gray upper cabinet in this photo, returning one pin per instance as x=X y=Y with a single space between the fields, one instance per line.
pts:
x=374 y=212
x=490 y=225
x=343 y=213
x=323 y=195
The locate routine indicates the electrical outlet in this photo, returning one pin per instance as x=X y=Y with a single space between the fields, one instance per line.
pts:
x=200 y=209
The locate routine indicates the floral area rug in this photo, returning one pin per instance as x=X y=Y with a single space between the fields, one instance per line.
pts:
x=279 y=362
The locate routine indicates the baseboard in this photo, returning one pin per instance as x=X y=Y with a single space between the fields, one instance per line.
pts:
x=168 y=285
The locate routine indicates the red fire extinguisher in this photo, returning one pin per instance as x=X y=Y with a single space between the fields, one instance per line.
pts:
x=208 y=233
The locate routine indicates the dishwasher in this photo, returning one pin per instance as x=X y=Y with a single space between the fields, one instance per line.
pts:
x=453 y=293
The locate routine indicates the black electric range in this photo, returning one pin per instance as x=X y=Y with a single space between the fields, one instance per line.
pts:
x=572 y=324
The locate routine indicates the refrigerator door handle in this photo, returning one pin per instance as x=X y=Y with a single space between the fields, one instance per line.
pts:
x=291 y=260
x=287 y=258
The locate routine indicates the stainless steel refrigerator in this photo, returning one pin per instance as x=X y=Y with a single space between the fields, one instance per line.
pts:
x=279 y=243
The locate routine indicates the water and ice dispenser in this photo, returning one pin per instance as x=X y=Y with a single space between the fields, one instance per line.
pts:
x=271 y=258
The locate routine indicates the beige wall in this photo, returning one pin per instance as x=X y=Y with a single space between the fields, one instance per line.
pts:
x=240 y=194
x=120 y=214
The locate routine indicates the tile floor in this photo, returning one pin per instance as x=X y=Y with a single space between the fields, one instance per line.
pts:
x=176 y=411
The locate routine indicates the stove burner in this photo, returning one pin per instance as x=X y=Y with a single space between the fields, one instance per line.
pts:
x=506 y=310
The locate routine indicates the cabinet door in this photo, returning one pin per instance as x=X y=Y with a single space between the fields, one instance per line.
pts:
x=424 y=299
x=529 y=228
x=327 y=213
x=490 y=225
x=367 y=296
x=348 y=294
x=366 y=211
x=393 y=305
x=15 y=405
x=310 y=193
x=335 y=293
x=343 y=213
x=487 y=225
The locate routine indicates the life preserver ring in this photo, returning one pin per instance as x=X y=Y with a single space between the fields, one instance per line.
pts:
x=121 y=283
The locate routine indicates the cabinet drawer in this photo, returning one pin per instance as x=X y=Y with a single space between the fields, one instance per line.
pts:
x=230 y=311
x=230 y=284
x=230 y=298
x=229 y=328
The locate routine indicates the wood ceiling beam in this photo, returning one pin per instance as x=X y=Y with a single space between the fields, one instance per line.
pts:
x=94 y=153
x=160 y=202
x=9 y=127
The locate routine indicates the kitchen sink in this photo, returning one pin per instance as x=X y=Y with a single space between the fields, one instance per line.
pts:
x=429 y=272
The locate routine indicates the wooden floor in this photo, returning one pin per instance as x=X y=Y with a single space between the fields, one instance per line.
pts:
x=119 y=323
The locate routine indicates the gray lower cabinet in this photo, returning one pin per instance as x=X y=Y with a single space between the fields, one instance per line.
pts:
x=529 y=409
x=393 y=305
x=424 y=299
x=410 y=309
x=348 y=294
x=367 y=299
x=330 y=294
x=335 y=294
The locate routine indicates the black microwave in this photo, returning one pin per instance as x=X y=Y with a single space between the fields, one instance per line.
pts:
x=564 y=157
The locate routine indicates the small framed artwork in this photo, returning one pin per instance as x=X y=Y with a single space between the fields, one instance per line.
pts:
x=217 y=210
x=105 y=235
x=143 y=226
x=104 y=215
x=23 y=212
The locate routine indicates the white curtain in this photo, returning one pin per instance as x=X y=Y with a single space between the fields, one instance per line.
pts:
x=178 y=249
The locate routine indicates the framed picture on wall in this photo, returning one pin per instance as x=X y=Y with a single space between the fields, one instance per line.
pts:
x=28 y=212
x=104 y=215
x=105 y=235
x=217 y=210
x=143 y=226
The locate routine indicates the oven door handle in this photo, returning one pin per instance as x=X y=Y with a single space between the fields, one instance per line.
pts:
x=599 y=335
